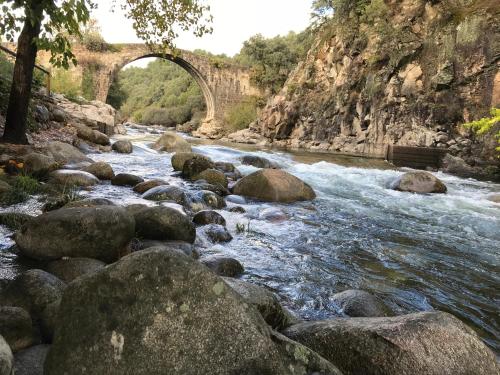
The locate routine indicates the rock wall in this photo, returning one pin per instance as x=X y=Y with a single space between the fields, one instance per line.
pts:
x=410 y=77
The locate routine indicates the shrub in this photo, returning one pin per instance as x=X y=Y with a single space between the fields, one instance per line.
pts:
x=486 y=124
x=64 y=82
x=241 y=115
x=22 y=187
x=94 y=42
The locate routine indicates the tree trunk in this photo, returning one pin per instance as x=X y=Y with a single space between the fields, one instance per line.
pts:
x=20 y=93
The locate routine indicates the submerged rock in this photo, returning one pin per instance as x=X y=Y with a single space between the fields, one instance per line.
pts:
x=166 y=193
x=6 y=358
x=209 y=217
x=258 y=162
x=68 y=177
x=126 y=179
x=217 y=233
x=123 y=147
x=102 y=170
x=172 y=313
x=164 y=223
x=273 y=185
x=224 y=266
x=431 y=343
x=265 y=301
x=68 y=269
x=100 y=233
x=419 y=182
x=30 y=361
x=143 y=187
x=358 y=303
x=171 y=142
x=16 y=327
x=33 y=290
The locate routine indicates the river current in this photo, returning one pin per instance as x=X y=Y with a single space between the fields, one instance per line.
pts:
x=417 y=252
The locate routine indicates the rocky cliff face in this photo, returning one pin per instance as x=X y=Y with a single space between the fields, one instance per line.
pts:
x=409 y=76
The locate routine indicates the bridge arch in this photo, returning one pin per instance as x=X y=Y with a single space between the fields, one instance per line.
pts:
x=188 y=67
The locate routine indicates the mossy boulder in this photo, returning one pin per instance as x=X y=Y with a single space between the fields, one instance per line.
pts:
x=143 y=187
x=213 y=177
x=102 y=233
x=193 y=167
x=164 y=223
x=39 y=165
x=224 y=266
x=419 y=182
x=68 y=269
x=166 y=193
x=423 y=343
x=123 y=147
x=258 y=162
x=17 y=328
x=68 y=177
x=272 y=185
x=159 y=310
x=172 y=142
x=126 y=179
x=180 y=158
x=207 y=217
x=358 y=303
x=65 y=153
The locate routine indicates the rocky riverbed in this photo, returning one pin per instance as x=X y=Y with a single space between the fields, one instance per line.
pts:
x=352 y=255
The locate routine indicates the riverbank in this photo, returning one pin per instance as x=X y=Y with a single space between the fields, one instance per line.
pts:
x=358 y=233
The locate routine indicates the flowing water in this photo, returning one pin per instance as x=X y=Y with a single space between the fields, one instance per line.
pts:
x=417 y=252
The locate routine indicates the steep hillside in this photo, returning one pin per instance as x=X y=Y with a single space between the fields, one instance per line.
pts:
x=404 y=72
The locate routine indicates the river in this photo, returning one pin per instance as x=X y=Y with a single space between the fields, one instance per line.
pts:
x=417 y=252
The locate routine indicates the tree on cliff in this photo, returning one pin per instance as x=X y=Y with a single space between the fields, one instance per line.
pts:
x=47 y=25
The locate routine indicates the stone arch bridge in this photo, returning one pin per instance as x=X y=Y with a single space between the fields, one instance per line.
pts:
x=223 y=85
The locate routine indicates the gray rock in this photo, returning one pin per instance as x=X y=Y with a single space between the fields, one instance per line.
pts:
x=30 y=361
x=42 y=114
x=223 y=266
x=123 y=147
x=358 y=303
x=419 y=182
x=193 y=167
x=265 y=301
x=273 y=185
x=171 y=142
x=166 y=193
x=68 y=269
x=213 y=200
x=164 y=223
x=16 y=328
x=213 y=177
x=431 y=343
x=102 y=170
x=90 y=202
x=91 y=135
x=158 y=310
x=68 y=177
x=126 y=179
x=65 y=153
x=258 y=162
x=209 y=217
x=58 y=115
x=48 y=320
x=6 y=358
x=217 y=233
x=39 y=165
x=185 y=247
x=33 y=290
x=237 y=209
x=102 y=233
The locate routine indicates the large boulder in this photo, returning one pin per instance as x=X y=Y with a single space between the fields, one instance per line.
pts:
x=193 y=167
x=100 y=169
x=91 y=135
x=126 y=179
x=179 y=158
x=30 y=361
x=431 y=343
x=68 y=177
x=213 y=177
x=65 y=153
x=96 y=232
x=358 y=303
x=171 y=142
x=272 y=185
x=39 y=165
x=142 y=187
x=166 y=193
x=159 y=311
x=17 y=328
x=123 y=147
x=6 y=358
x=419 y=182
x=164 y=223
x=258 y=162
x=265 y=301
x=33 y=290
x=68 y=269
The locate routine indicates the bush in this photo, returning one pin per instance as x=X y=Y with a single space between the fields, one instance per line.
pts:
x=94 y=42
x=64 y=82
x=241 y=115
x=486 y=124
x=22 y=187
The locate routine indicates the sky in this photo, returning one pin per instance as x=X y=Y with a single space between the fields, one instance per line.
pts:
x=234 y=22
